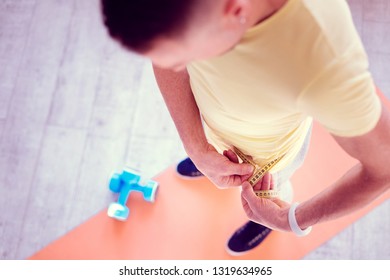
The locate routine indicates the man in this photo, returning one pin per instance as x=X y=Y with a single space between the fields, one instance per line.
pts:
x=251 y=75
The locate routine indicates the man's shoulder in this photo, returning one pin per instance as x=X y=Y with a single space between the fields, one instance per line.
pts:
x=334 y=21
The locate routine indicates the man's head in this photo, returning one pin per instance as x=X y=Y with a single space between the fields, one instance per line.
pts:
x=173 y=33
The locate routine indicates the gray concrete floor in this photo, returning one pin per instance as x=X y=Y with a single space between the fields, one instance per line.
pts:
x=74 y=107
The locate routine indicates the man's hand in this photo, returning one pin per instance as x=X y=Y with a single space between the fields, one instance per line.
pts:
x=223 y=170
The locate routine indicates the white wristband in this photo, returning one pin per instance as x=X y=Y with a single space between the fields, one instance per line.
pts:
x=293 y=222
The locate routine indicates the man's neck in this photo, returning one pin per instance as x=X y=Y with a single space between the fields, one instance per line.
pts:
x=264 y=9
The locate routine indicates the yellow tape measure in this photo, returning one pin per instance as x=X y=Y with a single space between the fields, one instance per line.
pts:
x=259 y=173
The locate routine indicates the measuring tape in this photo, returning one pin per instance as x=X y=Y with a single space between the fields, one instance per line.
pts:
x=259 y=173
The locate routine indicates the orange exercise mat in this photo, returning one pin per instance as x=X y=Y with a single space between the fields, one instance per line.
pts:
x=192 y=219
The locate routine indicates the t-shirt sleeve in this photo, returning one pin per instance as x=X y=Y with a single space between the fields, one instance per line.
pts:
x=343 y=96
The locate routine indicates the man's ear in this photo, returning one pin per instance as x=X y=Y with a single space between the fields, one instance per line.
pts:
x=236 y=11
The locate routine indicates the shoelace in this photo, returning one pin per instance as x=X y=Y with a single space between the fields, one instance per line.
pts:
x=196 y=173
x=260 y=235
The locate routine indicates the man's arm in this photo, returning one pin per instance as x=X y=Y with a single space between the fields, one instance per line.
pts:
x=360 y=185
x=176 y=91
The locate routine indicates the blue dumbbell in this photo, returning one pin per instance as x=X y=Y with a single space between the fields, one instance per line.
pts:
x=124 y=183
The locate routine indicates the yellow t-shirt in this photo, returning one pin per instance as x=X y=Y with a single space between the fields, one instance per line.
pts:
x=306 y=61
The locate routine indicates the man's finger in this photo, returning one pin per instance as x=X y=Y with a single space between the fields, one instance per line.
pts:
x=266 y=182
x=231 y=156
x=273 y=181
x=252 y=199
x=240 y=169
x=234 y=181
x=248 y=194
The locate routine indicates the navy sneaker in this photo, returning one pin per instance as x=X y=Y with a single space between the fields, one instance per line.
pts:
x=188 y=170
x=247 y=238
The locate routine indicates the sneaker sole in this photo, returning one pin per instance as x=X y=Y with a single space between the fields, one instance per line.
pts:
x=234 y=253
